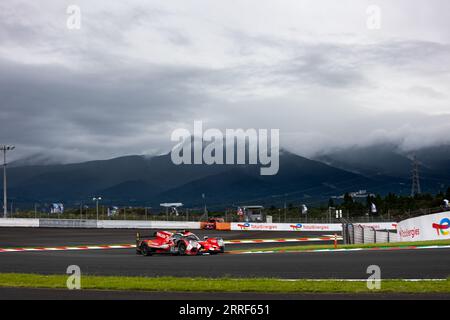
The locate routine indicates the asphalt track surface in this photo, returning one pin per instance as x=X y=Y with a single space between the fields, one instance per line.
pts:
x=44 y=237
x=402 y=264
x=395 y=264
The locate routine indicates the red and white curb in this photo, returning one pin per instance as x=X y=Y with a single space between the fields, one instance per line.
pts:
x=281 y=240
x=128 y=246
x=343 y=250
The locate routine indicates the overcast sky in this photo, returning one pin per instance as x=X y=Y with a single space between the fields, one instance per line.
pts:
x=137 y=70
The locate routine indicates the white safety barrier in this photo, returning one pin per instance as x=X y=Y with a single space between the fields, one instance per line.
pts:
x=142 y=224
x=67 y=223
x=250 y=226
x=13 y=222
x=107 y=224
x=430 y=227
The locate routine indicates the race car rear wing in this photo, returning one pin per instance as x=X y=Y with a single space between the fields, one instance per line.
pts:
x=140 y=236
x=161 y=234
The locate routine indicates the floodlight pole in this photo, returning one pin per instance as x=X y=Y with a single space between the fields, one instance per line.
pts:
x=97 y=199
x=5 y=148
x=205 y=211
x=5 y=194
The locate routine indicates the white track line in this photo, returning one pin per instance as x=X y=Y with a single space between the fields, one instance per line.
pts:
x=361 y=280
x=343 y=250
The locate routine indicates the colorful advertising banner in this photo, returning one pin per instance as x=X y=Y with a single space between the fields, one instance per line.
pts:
x=430 y=227
x=249 y=226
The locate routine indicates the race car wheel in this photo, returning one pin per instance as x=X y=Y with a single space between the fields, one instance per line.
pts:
x=182 y=248
x=145 y=250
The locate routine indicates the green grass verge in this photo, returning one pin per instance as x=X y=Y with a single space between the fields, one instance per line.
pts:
x=354 y=246
x=220 y=285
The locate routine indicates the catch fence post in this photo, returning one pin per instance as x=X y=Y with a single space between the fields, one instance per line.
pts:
x=362 y=233
x=353 y=233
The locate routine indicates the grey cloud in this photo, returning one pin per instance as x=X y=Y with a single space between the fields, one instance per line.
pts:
x=57 y=107
x=344 y=65
x=423 y=56
x=99 y=100
x=318 y=68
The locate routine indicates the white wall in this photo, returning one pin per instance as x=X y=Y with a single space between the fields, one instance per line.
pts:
x=141 y=224
x=110 y=224
x=12 y=222
x=425 y=227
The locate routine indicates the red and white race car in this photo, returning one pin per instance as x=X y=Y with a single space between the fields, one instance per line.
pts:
x=178 y=243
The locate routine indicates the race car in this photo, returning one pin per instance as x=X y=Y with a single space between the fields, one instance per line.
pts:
x=178 y=243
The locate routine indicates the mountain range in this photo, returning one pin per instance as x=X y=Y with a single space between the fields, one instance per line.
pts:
x=141 y=180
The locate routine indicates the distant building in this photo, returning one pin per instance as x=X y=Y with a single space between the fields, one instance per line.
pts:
x=112 y=211
x=356 y=194
x=253 y=213
x=56 y=208
x=171 y=208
